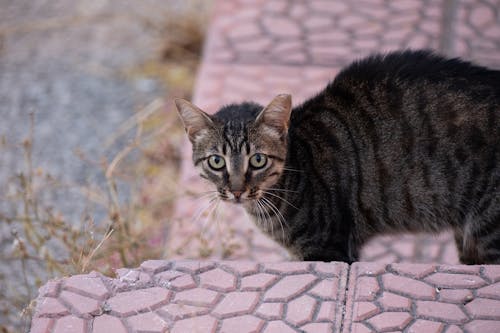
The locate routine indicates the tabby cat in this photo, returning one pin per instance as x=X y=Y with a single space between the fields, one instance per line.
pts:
x=402 y=142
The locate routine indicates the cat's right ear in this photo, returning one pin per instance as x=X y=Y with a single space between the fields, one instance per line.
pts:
x=276 y=116
x=196 y=122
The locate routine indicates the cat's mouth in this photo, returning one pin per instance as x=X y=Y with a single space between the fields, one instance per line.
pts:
x=239 y=197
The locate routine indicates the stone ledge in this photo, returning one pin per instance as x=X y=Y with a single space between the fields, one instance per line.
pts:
x=243 y=296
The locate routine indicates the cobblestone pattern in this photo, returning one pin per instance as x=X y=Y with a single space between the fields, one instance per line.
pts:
x=422 y=298
x=194 y=296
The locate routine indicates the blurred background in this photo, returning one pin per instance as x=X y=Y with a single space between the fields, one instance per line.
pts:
x=94 y=166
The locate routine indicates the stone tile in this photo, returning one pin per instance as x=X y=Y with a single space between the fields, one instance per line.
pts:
x=197 y=297
x=260 y=281
x=366 y=288
x=364 y=310
x=326 y=311
x=155 y=266
x=483 y=326
x=50 y=289
x=492 y=272
x=330 y=268
x=108 y=324
x=408 y=287
x=461 y=269
x=455 y=295
x=70 y=324
x=289 y=287
x=287 y=267
x=326 y=289
x=83 y=305
x=317 y=328
x=92 y=286
x=130 y=302
x=491 y=291
x=129 y=277
x=445 y=312
x=147 y=322
x=301 y=310
x=427 y=326
x=49 y=306
x=200 y=324
x=180 y=311
x=454 y=329
x=368 y=268
x=415 y=271
x=278 y=326
x=270 y=311
x=41 y=325
x=241 y=267
x=483 y=308
x=192 y=266
x=358 y=328
x=218 y=279
x=242 y=324
x=391 y=302
x=387 y=321
x=445 y=280
x=236 y=303
x=182 y=282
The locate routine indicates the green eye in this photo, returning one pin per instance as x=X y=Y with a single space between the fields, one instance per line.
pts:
x=258 y=161
x=216 y=162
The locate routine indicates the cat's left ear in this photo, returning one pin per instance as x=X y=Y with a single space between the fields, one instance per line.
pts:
x=196 y=122
x=276 y=115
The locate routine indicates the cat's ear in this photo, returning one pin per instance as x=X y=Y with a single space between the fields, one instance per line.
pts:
x=276 y=115
x=196 y=122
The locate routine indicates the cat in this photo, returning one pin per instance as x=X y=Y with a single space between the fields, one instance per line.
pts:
x=406 y=141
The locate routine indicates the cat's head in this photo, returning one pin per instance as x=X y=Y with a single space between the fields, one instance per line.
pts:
x=242 y=148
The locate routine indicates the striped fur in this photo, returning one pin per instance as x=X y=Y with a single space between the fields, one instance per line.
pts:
x=407 y=141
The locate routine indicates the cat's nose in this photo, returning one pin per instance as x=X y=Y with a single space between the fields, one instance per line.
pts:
x=237 y=194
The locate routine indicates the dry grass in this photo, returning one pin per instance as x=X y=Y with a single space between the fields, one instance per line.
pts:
x=46 y=244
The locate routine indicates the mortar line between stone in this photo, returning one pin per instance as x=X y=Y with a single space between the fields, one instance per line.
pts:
x=344 y=303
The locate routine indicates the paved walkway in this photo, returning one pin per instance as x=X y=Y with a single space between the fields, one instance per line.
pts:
x=255 y=50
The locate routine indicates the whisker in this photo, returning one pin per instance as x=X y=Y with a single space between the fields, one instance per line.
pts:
x=268 y=219
x=294 y=170
x=282 y=199
x=277 y=213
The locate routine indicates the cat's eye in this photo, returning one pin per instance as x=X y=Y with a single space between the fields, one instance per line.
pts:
x=216 y=162
x=258 y=161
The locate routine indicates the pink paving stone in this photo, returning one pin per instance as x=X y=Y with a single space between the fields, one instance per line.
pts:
x=180 y=311
x=167 y=276
x=445 y=280
x=278 y=326
x=194 y=266
x=182 y=282
x=483 y=326
x=244 y=30
x=270 y=311
x=390 y=301
x=108 y=324
x=203 y=324
x=41 y=325
x=236 y=303
x=50 y=307
x=70 y=324
x=90 y=285
x=155 y=266
x=492 y=272
x=196 y=296
x=462 y=269
x=242 y=324
x=147 y=322
x=301 y=310
x=281 y=26
x=408 y=287
x=130 y=302
x=326 y=289
x=364 y=310
x=482 y=16
x=218 y=279
x=366 y=288
x=414 y=270
x=330 y=268
x=50 y=289
x=258 y=281
x=317 y=328
x=426 y=326
x=83 y=305
x=241 y=267
x=491 y=291
x=445 y=312
x=326 y=311
x=132 y=276
x=482 y=307
x=454 y=329
x=368 y=268
x=287 y=267
x=358 y=328
x=455 y=295
x=289 y=287
x=387 y=321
